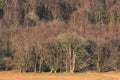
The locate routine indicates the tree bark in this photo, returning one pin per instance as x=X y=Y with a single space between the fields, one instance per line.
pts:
x=98 y=62
x=35 y=66
x=70 y=58
x=74 y=57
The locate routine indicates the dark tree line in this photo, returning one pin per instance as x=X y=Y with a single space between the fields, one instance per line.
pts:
x=31 y=12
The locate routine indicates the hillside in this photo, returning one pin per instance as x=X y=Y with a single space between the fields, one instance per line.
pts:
x=60 y=35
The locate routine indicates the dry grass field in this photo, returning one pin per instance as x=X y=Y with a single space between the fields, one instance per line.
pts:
x=61 y=76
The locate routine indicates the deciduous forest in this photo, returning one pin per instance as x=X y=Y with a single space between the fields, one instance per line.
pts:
x=60 y=35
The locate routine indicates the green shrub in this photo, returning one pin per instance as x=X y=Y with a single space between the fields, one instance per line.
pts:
x=46 y=68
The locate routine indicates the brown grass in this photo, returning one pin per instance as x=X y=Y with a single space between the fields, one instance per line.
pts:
x=61 y=76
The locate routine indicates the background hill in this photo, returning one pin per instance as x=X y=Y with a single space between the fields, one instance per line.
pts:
x=60 y=35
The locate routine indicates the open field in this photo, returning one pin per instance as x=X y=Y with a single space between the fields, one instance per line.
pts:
x=61 y=76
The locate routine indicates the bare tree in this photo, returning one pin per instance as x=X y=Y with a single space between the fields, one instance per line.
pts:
x=72 y=44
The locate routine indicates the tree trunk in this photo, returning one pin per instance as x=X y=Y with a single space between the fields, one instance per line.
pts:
x=67 y=68
x=98 y=67
x=70 y=58
x=74 y=57
x=40 y=65
x=35 y=66
x=0 y=34
x=98 y=62
x=67 y=59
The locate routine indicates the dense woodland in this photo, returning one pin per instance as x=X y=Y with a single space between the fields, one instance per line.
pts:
x=60 y=35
